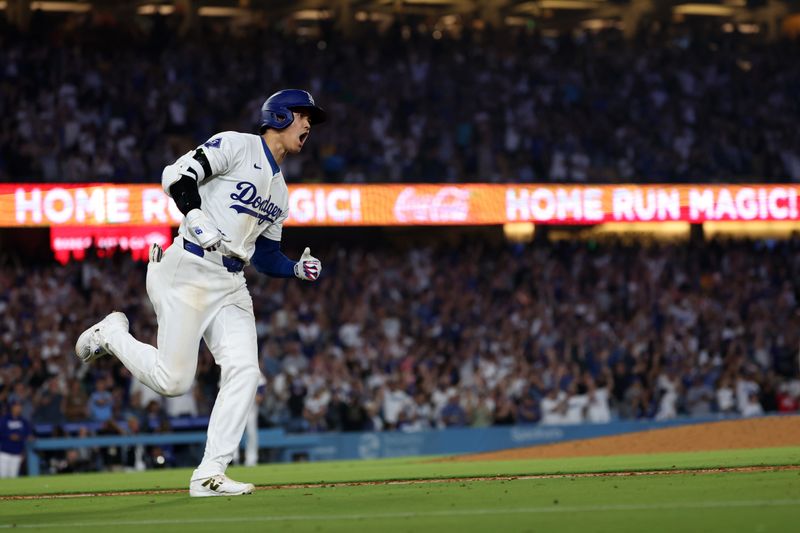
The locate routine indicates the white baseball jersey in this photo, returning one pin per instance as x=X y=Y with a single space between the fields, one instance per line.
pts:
x=246 y=195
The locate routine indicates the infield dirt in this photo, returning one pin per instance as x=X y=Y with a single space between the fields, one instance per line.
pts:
x=772 y=432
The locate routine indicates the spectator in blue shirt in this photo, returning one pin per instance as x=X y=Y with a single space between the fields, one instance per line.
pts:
x=14 y=432
x=453 y=414
x=49 y=403
x=101 y=402
x=527 y=413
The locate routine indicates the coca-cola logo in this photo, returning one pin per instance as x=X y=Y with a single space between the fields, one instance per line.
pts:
x=447 y=204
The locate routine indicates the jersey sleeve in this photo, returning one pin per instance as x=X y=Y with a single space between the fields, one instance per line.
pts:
x=222 y=151
x=274 y=231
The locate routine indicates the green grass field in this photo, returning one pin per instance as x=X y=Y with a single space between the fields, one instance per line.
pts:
x=727 y=501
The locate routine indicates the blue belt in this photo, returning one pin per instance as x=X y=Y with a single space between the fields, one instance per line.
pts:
x=231 y=263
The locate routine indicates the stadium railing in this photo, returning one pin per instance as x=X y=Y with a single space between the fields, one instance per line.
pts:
x=267 y=438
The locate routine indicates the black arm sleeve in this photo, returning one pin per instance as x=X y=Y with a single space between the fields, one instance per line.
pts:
x=185 y=193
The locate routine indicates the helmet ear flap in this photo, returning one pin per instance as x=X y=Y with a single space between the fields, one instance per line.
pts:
x=278 y=119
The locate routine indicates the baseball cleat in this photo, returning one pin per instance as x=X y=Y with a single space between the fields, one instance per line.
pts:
x=219 y=485
x=92 y=344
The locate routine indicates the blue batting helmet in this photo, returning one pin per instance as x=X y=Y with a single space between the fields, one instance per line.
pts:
x=276 y=112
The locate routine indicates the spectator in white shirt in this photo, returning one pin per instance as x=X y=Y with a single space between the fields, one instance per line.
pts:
x=725 y=396
x=553 y=407
x=577 y=402
x=599 y=409
x=752 y=407
x=395 y=401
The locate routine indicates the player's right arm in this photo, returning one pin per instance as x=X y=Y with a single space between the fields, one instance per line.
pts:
x=181 y=179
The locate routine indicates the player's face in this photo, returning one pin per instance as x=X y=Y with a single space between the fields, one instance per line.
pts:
x=296 y=134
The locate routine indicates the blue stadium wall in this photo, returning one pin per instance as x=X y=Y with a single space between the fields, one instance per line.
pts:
x=467 y=440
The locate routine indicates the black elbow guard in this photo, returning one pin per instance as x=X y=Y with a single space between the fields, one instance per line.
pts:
x=200 y=157
x=185 y=193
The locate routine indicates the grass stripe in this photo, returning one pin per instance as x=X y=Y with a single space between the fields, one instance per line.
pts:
x=422 y=514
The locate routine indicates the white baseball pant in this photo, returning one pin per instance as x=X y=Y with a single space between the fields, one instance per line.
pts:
x=9 y=464
x=195 y=298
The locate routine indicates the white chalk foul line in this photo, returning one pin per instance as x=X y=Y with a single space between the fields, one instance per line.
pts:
x=732 y=504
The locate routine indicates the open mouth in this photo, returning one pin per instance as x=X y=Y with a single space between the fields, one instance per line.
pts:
x=303 y=137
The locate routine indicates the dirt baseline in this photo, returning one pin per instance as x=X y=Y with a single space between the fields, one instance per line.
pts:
x=674 y=472
x=727 y=435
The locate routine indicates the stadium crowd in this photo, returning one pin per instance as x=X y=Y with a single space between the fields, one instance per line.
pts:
x=431 y=337
x=90 y=101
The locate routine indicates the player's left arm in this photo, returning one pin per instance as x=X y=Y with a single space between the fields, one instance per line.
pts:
x=268 y=259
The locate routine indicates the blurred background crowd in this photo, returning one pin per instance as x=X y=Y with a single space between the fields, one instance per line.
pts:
x=435 y=336
x=95 y=102
x=398 y=335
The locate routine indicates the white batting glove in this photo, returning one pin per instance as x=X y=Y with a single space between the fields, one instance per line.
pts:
x=207 y=234
x=156 y=253
x=309 y=267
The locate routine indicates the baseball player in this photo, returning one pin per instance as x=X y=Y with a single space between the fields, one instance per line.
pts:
x=234 y=200
x=15 y=431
